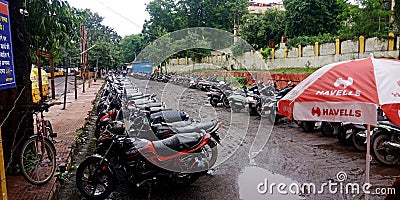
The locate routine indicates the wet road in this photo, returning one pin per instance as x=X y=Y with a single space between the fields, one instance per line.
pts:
x=257 y=159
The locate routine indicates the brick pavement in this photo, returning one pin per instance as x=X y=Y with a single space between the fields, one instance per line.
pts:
x=65 y=123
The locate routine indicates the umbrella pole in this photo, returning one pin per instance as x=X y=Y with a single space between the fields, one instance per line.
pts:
x=368 y=157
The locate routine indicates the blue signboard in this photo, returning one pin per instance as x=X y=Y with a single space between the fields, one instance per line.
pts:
x=143 y=67
x=7 y=75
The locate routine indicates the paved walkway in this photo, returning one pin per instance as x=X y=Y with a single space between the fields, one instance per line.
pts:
x=65 y=123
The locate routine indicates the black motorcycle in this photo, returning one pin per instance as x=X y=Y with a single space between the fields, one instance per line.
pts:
x=385 y=143
x=354 y=134
x=220 y=95
x=237 y=99
x=135 y=162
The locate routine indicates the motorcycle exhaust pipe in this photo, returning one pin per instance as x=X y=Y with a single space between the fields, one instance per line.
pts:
x=391 y=145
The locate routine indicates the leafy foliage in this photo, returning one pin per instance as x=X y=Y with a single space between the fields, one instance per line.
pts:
x=131 y=46
x=169 y=15
x=103 y=39
x=310 y=40
x=258 y=30
x=370 y=19
x=311 y=17
x=52 y=26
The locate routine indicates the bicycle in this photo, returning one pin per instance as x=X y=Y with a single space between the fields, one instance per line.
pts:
x=38 y=153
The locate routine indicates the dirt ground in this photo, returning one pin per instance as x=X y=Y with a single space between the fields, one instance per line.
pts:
x=256 y=157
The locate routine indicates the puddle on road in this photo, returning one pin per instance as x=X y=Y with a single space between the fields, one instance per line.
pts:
x=255 y=184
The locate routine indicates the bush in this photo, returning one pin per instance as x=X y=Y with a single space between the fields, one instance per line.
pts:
x=266 y=52
x=310 y=40
x=241 y=80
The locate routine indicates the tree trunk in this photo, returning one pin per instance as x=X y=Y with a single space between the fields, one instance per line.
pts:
x=20 y=122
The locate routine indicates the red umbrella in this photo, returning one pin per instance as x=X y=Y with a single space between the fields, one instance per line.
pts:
x=349 y=91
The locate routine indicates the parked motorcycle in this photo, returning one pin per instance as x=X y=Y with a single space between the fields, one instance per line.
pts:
x=178 y=159
x=354 y=134
x=273 y=107
x=220 y=95
x=237 y=99
x=385 y=143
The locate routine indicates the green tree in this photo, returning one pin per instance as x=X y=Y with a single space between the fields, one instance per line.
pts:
x=311 y=17
x=131 y=46
x=53 y=26
x=258 y=30
x=369 y=18
x=104 y=41
x=169 y=15
x=165 y=17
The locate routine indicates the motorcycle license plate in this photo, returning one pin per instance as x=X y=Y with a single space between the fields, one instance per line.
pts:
x=318 y=123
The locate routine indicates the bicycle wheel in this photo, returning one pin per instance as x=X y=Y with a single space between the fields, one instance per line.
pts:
x=38 y=164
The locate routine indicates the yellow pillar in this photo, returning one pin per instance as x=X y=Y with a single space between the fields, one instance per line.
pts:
x=316 y=49
x=169 y=61
x=272 y=53
x=187 y=60
x=207 y=59
x=299 y=52
x=391 y=41
x=362 y=44
x=3 y=188
x=285 y=52
x=177 y=60
x=337 y=49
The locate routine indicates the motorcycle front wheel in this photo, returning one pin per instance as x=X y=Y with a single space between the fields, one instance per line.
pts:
x=225 y=102
x=214 y=101
x=358 y=143
x=93 y=182
x=382 y=154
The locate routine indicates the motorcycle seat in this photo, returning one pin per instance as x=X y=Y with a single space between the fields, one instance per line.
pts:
x=149 y=105
x=168 y=116
x=178 y=142
x=175 y=124
x=389 y=123
x=141 y=101
x=137 y=97
x=130 y=92
x=196 y=127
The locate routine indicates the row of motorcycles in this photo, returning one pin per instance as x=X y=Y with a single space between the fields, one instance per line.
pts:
x=261 y=100
x=385 y=138
x=141 y=142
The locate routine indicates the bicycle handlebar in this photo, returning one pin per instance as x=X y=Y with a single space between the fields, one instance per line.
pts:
x=40 y=107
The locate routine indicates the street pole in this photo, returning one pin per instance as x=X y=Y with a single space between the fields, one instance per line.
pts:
x=75 y=85
x=40 y=76
x=53 y=89
x=66 y=84
x=96 y=69
x=3 y=188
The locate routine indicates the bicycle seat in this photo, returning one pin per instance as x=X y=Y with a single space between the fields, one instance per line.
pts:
x=40 y=107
